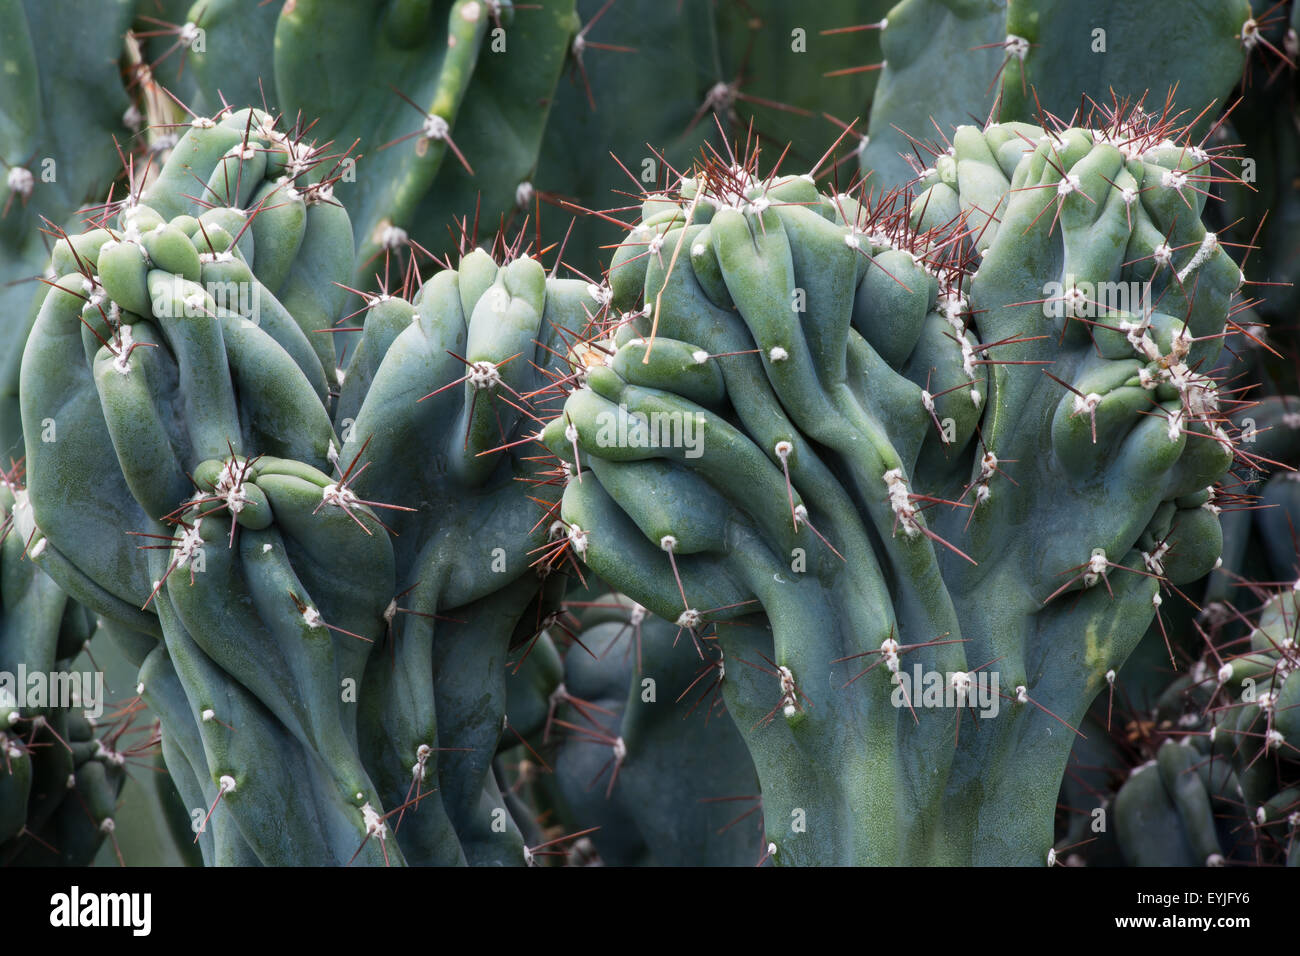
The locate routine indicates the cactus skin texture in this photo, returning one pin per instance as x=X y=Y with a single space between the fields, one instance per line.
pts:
x=808 y=337
x=59 y=775
x=1015 y=60
x=310 y=539
x=1225 y=785
x=61 y=107
x=657 y=766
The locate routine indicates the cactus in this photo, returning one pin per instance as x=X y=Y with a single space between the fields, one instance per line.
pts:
x=270 y=526
x=212 y=53
x=1142 y=710
x=446 y=102
x=784 y=73
x=1017 y=60
x=1259 y=541
x=1216 y=781
x=872 y=523
x=1262 y=125
x=806 y=433
x=148 y=276
x=59 y=775
x=645 y=750
x=503 y=143
x=62 y=106
x=473 y=86
x=1224 y=782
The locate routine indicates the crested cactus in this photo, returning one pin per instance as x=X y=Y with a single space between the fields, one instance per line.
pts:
x=886 y=503
x=906 y=437
x=143 y=294
x=1151 y=704
x=198 y=486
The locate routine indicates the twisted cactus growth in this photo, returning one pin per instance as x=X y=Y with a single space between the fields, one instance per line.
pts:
x=1013 y=60
x=645 y=750
x=1224 y=783
x=173 y=284
x=909 y=439
x=59 y=774
x=297 y=543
